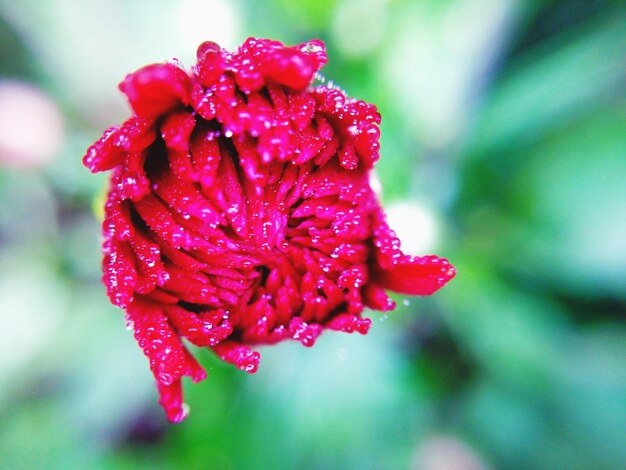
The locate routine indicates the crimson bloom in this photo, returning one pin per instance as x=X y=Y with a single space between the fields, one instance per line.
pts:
x=240 y=210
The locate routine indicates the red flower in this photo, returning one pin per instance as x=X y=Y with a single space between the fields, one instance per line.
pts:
x=240 y=210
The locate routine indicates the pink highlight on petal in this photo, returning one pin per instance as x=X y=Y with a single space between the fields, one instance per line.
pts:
x=240 y=211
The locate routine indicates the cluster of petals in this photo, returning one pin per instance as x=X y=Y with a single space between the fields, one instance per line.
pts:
x=240 y=210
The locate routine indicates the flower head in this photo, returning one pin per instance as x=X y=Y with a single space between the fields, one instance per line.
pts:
x=240 y=210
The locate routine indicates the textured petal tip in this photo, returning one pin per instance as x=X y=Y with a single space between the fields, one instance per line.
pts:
x=416 y=275
x=294 y=67
x=179 y=415
x=239 y=355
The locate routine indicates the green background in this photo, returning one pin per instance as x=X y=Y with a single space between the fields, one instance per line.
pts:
x=503 y=149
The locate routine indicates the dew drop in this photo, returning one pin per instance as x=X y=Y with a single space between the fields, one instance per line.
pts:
x=342 y=354
x=166 y=379
x=313 y=47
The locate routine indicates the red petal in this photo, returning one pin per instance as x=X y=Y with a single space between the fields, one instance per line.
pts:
x=169 y=360
x=239 y=355
x=304 y=332
x=158 y=340
x=104 y=154
x=176 y=130
x=109 y=151
x=210 y=63
x=156 y=89
x=416 y=275
x=120 y=272
x=207 y=330
x=376 y=298
x=171 y=399
x=290 y=67
x=350 y=323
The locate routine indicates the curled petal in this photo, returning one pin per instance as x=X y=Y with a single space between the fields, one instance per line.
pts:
x=349 y=323
x=303 y=332
x=171 y=395
x=171 y=400
x=202 y=330
x=169 y=360
x=158 y=341
x=176 y=130
x=211 y=63
x=156 y=89
x=120 y=273
x=290 y=67
x=239 y=355
x=104 y=154
x=376 y=298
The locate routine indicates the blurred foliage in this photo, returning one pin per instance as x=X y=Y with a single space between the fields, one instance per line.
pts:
x=504 y=120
